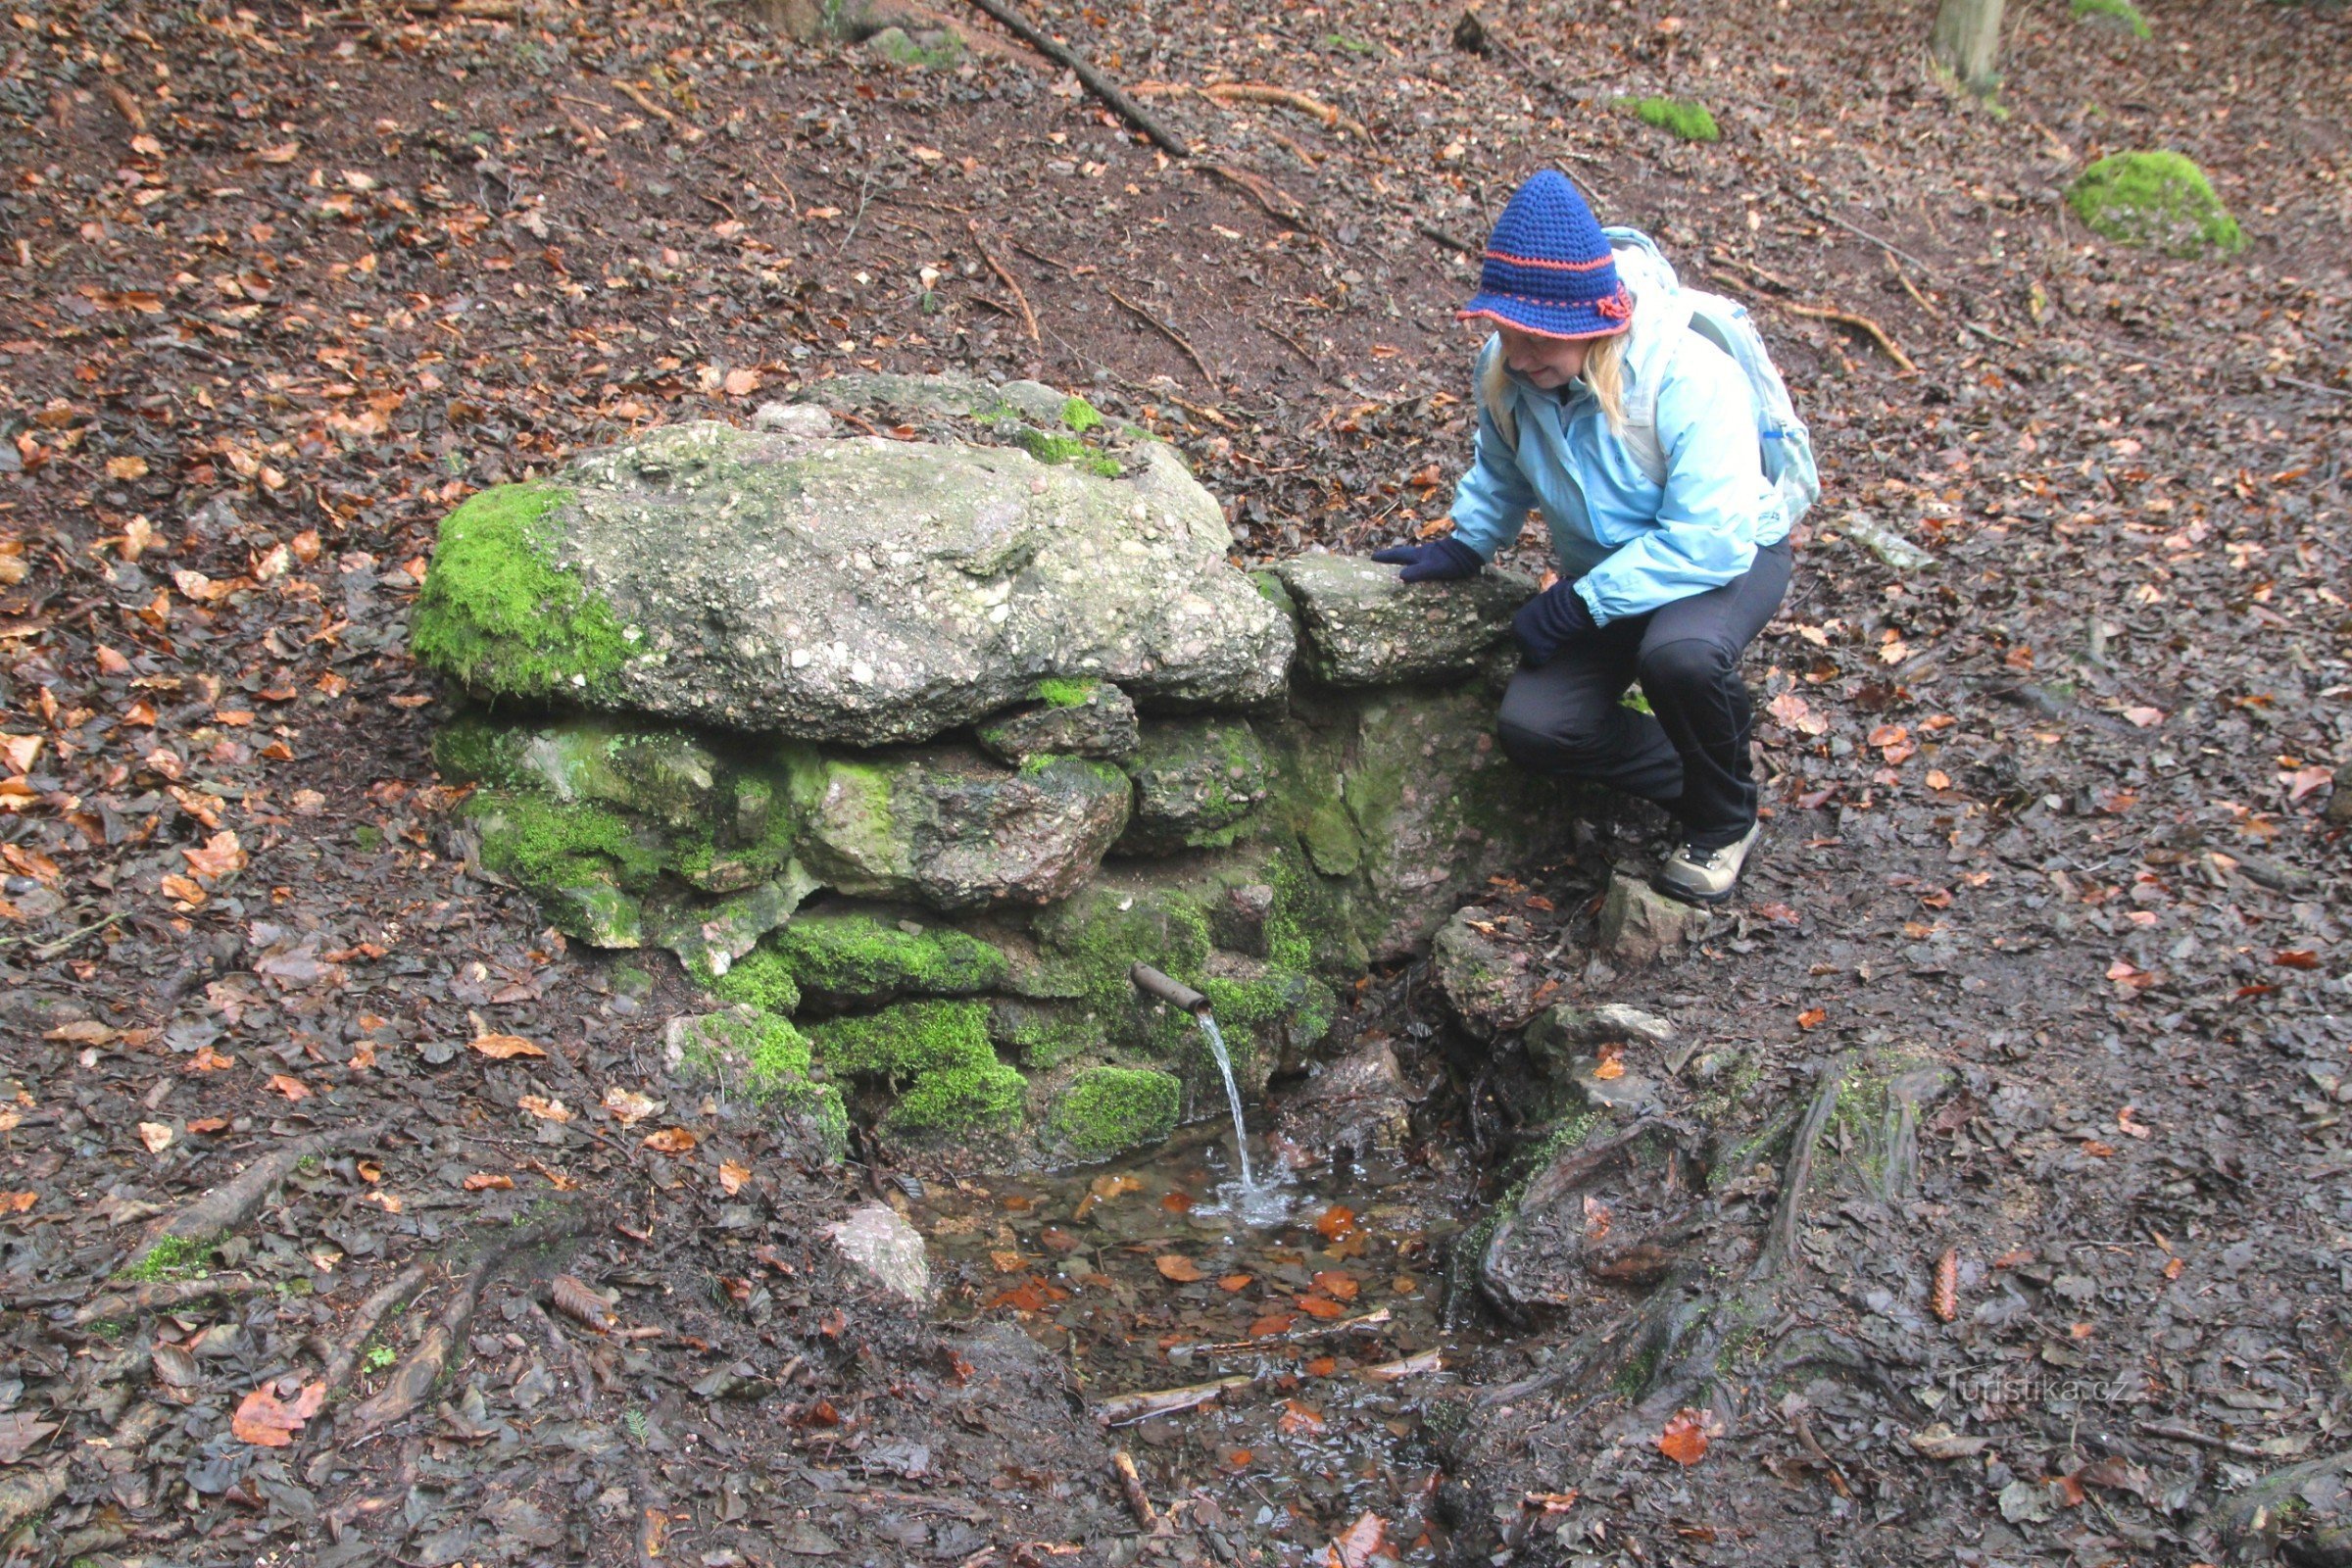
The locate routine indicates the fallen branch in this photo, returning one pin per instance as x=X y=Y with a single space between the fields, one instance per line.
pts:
x=1405 y=1367
x=1278 y=203
x=231 y=1204
x=1432 y=232
x=158 y=1296
x=1028 y=315
x=637 y=96
x=1126 y=1408
x=1225 y=94
x=1095 y=81
x=1168 y=333
x=1860 y=323
x=1138 y=1501
x=1371 y=1319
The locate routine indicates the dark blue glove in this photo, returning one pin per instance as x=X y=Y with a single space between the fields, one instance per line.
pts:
x=1438 y=560
x=1550 y=621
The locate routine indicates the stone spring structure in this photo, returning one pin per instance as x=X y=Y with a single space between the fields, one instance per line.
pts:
x=909 y=745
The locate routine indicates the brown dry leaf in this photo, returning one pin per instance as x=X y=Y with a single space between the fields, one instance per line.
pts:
x=220 y=856
x=1178 y=1267
x=130 y=467
x=84 y=1032
x=741 y=384
x=489 y=1180
x=264 y=1420
x=18 y=1202
x=1812 y=1017
x=1233 y=1282
x=546 y=1110
x=1336 y=1221
x=1551 y=1502
x=1358 y=1545
x=155 y=1135
x=1335 y=1284
x=573 y=1298
x=1685 y=1440
x=1946 y=1298
x=183 y=890
x=732 y=1176
x=670 y=1141
x=1321 y=1306
x=627 y=1107
x=505 y=1047
x=1273 y=1323
x=20 y=1430
x=1296 y=1417
x=1107 y=1187
x=289 y=1086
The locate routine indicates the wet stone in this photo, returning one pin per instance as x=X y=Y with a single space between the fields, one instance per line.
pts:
x=1639 y=925
x=878 y=1240
x=1194 y=780
x=1363 y=627
x=1560 y=1035
x=1070 y=718
x=1487 y=969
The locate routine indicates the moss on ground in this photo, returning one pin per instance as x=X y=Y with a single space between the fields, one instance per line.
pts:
x=2158 y=199
x=498 y=615
x=173 y=1257
x=1079 y=414
x=2121 y=12
x=1056 y=692
x=936 y=1057
x=1109 y=1111
x=853 y=959
x=1689 y=121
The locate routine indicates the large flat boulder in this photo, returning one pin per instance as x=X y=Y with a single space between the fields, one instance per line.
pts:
x=852 y=589
x=1363 y=627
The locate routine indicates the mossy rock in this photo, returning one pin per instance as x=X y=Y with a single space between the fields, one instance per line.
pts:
x=500 y=615
x=1682 y=118
x=1065 y=718
x=1098 y=936
x=943 y=51
x=936 y=1059
x=1195 y=781
x=763 y=1059
x=587 y=866
x=1043 y=1035
x=840 y=962
x=2121 y=14
x=1109 y=1110
x=2157 y=199
x=761 y=978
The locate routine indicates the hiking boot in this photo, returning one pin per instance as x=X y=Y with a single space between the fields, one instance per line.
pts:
x=1705 y=876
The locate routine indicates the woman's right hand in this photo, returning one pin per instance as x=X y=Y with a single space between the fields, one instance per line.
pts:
x=1438 y=560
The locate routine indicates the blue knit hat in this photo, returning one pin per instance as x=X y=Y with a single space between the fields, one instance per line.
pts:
x=1547 y=267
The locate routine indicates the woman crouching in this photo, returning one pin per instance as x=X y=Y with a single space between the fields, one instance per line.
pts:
x=1634 y=416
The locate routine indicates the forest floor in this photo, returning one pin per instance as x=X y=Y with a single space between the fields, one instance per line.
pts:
x=282 y=285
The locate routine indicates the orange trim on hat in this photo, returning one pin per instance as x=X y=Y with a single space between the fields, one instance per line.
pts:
x=1592 y=265
x=1557 y=337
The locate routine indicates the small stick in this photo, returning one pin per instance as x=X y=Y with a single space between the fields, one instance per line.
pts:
x=1100 y=85
x=1432 y=232
x=1804 y=1435
x=1861 y=323
x=1125 y=1409
x=2181 y=1434
x=1028 y=315
x=1368 y=1320
x=1138 y=1501
x=1297 y=347
x=1911 y=288
x=1227 y=93
x=636 y=95
x=1889 y=246
x=1168 y=333
x=1278 y=204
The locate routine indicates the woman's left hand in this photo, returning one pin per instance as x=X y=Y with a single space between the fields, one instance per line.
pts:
x=1550 y=621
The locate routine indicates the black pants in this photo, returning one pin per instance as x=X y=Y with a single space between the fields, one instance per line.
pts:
x=1691 y=757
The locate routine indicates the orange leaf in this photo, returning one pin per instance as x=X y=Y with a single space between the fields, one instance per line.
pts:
x=1322 y=1366
x=1336 y=1221
x=489 y=1180
x=220 y=856
x=1946 y=1300
x=503 y=1048
x=1296 y=1417
x=263 y=1419
x=1271 y=1324
x=155 y=1135
x=1355 y=1547
x=544 y=1108
x=1812 y=1017
x=1176 y=1203
x=1339 y=1285
x=289 y=1086
x=1321 y=1306
x=18 y=1202
x=1685 y=1440
x=1178 y=1267
x=670 y=1141
x=1232 y=1283
x=732 y=1176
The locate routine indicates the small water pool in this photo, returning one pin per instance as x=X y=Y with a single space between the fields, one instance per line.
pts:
x=1317 y=1298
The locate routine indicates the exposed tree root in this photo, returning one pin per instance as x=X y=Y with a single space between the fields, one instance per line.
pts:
x=159 y=1295
x=2300 y=1514
x=411 y=1381
x=344 y=1357
x=234 y=1201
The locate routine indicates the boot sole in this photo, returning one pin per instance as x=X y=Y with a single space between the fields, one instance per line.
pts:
x=1705 y=900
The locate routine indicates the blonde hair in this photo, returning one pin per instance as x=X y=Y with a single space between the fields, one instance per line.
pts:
x=1603 y=376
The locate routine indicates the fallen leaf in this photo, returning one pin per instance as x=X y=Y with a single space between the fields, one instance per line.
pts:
x=83 y=1032
x=489 y=1180
x=1336 y=1221
x=1812 y=1017
x=1178 y=1267
x=155 y=1135
x=627 y=1107
x=219 y=857
x=264 y=1420
x=289 y=1086
x=505 y=1047
x=18 y=1202
x=1685 y=1440
x=544 y=1108
x=573 y=1298
x=20 y=1430
x=1938 y=1442
x=1320 y=1307
x=1335 y=1284
x=1355 y=1547
x=732 y=1176
x=1296 y=1417
x=1271 y=1324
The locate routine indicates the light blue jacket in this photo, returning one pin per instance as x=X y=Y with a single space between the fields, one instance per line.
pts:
x=1631 y=545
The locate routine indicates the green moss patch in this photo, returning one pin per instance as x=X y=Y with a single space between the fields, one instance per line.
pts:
x=1099 y=934
x=936 y=1057
x=761 y=978
x=545 y=845
x=173 y=1257
x=498 y=615
x=2118 y=13
x=1682 y=118
x=1109 y=1111
x=1079 y=414
x=845 y=960
x=1055 y=691
x=2158 y=199
x=1043 y=1034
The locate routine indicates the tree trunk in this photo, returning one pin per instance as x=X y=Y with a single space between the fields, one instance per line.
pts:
x=1967 y=41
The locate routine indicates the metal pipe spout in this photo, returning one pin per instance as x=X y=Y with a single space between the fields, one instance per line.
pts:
x=1152 y=983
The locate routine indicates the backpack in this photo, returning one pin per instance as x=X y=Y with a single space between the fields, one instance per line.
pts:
x=1783 y=442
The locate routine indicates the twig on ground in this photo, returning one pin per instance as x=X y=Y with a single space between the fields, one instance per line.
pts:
x=1367 y=1320
x=1139 y=1502
x=1278 y=204
x=638 y=96
x=1130 y=1407
x=1225 y=94
x=1095 y=81
x=1860 y=323
x=1812 y=1445
x=2204 y=1440
x=1028 y=315
x=1430 y=230
x=1889 y=246
x=1168 y=333
x=1297 y=347
x=1896 y=267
